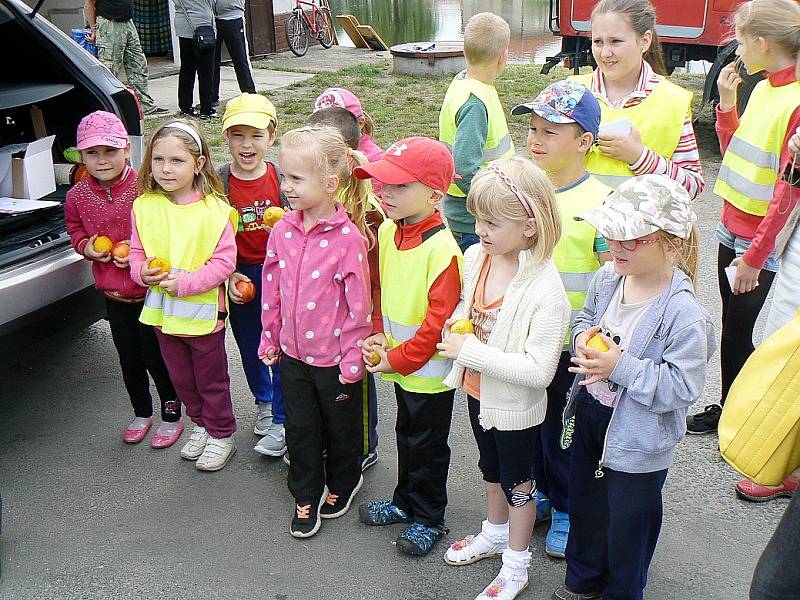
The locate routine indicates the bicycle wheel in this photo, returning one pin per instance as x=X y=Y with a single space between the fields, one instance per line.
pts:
x=323 y=23
x=296 y=34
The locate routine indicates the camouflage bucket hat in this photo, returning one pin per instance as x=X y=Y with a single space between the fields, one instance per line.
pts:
x=641 y=206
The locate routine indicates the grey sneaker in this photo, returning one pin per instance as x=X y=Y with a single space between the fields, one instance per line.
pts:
x=264 y=418
x=273 y=443
x=369 y=460
x=564 y=593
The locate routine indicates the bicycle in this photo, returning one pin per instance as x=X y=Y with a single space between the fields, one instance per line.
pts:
x=299 y=27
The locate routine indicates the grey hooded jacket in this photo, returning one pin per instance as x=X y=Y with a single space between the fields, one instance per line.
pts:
x=660 y=375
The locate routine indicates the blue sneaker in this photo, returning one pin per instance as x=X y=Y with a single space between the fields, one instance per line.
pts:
x=543 y=510
x=555 y=544
x=382 y=512
x=418 y=539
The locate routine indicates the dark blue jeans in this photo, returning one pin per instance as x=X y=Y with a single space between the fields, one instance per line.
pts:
x=246 y=325
x=614 y=520
x=777 y=576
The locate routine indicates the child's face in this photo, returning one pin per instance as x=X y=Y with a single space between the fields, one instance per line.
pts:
x=173 y=166
x=616 y=47
x=411 y=201
x=105 y=163
x=751 y=51
x=554 y=147
x=500 y=235
x=248 y=145
x=647 y=257
x=303 y=186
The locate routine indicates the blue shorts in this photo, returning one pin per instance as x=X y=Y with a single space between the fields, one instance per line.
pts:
x=740 y=245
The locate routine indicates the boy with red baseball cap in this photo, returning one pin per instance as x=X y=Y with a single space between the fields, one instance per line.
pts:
x=420 y=286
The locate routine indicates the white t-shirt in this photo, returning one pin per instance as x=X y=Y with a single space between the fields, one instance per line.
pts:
x=619 y=323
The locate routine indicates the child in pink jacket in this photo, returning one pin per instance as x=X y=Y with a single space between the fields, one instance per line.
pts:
x=316 y=315
x=100 y=206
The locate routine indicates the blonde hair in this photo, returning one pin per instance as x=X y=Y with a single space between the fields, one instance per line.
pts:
x=332 y=157
x=491 y=197
x=775 y=20
x=207 y=181
x=642 y=18
x=687 y=252
x=486 y=37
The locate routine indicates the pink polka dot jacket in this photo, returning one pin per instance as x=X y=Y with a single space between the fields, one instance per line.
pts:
x=316 y=300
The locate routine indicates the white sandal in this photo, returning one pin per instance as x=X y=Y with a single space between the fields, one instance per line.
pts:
x=506 y=586
x=463 y=552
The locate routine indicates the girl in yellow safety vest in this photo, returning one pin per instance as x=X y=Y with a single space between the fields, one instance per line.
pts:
x=757 y=201
x=183 y=248
x=646 y=124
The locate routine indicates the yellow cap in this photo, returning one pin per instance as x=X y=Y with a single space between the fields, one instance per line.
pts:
x=249 y=109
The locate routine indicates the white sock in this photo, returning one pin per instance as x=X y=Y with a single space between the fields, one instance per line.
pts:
x=496 y=534
x=138 y=423
x=167 y=428
x=517 y=561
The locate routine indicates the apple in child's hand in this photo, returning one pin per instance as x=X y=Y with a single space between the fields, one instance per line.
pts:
x=597 y=343
x=373 y=358
x=463 y=326
x=102 y=244
x=272 y=215
x=159 y=263
x=247 y=289
x=120 y=250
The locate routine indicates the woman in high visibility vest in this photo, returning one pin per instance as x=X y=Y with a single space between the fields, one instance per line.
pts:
x=646 y=124
x=183 y=249
x=757 y=200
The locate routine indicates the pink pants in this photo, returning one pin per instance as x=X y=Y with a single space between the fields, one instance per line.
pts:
x=198 y=368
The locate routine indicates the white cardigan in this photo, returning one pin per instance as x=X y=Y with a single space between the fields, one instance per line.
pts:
x=519 y=360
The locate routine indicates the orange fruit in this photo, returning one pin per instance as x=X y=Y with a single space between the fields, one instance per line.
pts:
x=120 y=250
x=597 y=343
x=160 y=263
x=102 y=244
x=464 y=326
x=374 y=358
x=272 y=215
x=247 y=289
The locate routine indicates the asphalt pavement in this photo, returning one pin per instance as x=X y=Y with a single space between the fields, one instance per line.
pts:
x=88 y=517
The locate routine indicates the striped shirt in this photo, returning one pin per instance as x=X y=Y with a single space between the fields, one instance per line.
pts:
x=684 y=164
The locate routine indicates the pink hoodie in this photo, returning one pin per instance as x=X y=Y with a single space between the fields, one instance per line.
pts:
x=316 y=299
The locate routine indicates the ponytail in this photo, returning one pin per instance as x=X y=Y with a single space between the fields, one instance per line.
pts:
x=355 y=196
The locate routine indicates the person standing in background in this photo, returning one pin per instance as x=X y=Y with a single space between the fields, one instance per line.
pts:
x=196 y=62
x=229 y=17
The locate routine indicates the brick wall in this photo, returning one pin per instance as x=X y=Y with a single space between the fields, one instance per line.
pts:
x=281 y=45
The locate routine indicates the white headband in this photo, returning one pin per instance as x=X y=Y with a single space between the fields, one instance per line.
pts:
x=189 y=130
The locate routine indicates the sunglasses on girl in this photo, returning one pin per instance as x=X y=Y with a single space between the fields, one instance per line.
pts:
x=630 y=245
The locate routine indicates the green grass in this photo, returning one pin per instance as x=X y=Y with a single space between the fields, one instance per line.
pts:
x=401 y=106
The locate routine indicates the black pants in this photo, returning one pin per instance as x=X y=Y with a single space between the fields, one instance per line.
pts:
x=232 y=33
x=423 y=456
x=321 y=414
x=739 y=314
x=777 y=576
x=551 y=461
x=197 y=64
x=615 y=520
x=139 y=353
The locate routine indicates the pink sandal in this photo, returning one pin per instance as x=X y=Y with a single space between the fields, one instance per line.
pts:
x=165 y=441
x=134 y=435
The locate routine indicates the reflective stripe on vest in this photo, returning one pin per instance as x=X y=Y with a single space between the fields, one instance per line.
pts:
x=406 y=279
x=751 y=164
x=498 y=140
x=574 y=254
x=658 y=118
x=186 y=235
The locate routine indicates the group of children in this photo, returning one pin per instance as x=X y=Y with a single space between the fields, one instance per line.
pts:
x=578 y=374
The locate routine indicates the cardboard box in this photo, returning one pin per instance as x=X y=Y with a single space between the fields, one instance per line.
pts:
x=26 y=170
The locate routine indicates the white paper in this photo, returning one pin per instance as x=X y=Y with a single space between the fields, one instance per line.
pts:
x=12 y=206
x=730 y=272
x=618 y=127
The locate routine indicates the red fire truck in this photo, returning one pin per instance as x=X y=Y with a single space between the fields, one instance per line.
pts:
x=688 y=30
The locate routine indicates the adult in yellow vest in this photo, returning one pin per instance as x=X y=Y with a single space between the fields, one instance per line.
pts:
x=472 y=122
x=757 y=201
x=646 y=124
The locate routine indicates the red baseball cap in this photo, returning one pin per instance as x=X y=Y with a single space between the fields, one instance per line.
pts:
x=413 y=159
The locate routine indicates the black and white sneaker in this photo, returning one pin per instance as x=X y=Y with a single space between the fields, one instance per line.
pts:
x=369 y=460
x=336 y=505
x=306 y=520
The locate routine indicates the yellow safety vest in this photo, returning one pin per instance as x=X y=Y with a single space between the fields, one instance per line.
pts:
x=498 y=141
x=186 y=235
x=574 y=253
x=752 y=161
x=406 y=278
x=658 y=118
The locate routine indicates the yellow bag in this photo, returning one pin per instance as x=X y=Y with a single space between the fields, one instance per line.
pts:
x=759 y=432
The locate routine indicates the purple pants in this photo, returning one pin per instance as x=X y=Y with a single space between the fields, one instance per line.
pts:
x=198 y=368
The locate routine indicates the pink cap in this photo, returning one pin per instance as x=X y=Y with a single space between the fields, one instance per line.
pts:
x=413 y=159
x=339 y=97
x=101 y=128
